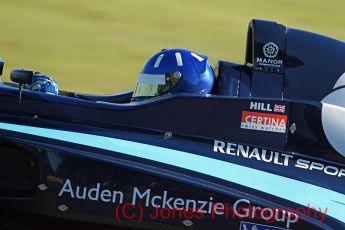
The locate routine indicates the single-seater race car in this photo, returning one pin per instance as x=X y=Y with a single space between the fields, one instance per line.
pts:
x=253 y=146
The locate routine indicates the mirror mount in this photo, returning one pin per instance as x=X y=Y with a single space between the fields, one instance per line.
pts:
x=2 y=63
x=21 y=77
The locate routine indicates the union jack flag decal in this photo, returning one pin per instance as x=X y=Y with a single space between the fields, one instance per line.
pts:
x=279 y=108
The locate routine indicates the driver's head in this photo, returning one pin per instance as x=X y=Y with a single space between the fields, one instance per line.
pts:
x=43 y=83
x=174 y=71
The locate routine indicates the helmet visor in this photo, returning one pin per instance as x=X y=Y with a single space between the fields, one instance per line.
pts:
x=152 y=85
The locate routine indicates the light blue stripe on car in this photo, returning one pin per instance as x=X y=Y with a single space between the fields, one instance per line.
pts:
x=290 y=189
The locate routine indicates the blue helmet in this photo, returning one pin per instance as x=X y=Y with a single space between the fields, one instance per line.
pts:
x=43 y=83
x=174 y=71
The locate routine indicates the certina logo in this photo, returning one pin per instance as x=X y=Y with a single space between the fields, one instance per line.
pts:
x=270 y=50
x=267 y=107
x=264 y=122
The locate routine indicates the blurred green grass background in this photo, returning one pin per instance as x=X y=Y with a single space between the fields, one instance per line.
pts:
x=100 y=46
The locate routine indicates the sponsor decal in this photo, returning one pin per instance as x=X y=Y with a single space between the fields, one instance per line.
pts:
x=163 y=203
x=248 y=152
x=264 y=122
x=277 y=158
x=243 y=209
x=266 y=107
x=163 y=200
x=327 y=169
x=270 y=51
x=260 y=106
x=279 y=108
x=263 y=181
x=252 y=226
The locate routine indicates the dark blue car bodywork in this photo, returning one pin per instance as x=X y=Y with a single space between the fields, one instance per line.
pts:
x=99 y=162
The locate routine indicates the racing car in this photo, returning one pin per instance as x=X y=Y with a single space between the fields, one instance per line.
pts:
x=253 y=146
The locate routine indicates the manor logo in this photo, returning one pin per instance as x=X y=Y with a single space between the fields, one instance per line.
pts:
x=270 y=50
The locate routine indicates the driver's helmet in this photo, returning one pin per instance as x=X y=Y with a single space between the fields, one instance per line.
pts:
x=174 y=71
x=43 y=83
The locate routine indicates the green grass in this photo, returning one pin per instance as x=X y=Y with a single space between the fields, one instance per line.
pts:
x=101 y=46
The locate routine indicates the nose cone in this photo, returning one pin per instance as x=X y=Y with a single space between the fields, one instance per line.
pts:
x=333 y=116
